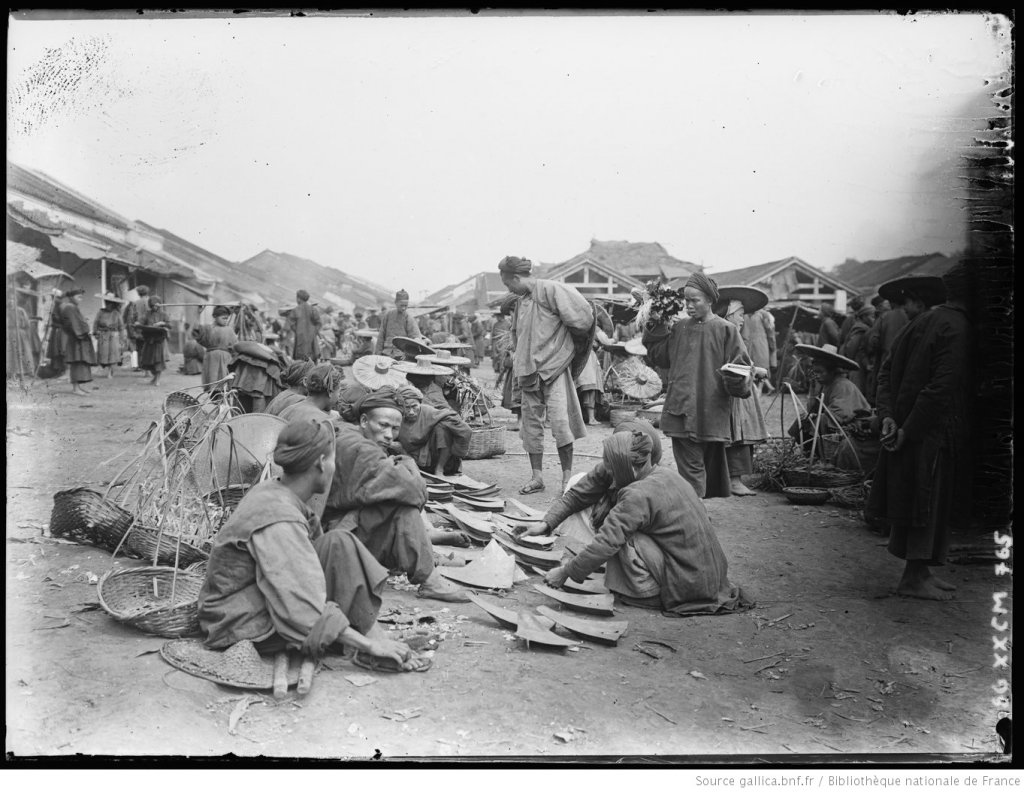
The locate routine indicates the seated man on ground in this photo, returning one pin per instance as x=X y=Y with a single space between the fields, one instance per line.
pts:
x=274 y=578
x=437 y=438
x=378 y=494
x=655 y=540
x=322 y=384
x=294 y=380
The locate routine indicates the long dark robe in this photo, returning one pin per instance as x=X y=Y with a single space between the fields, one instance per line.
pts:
x=667 y=525
x=855 y=348
x=924 y=489
x=23 y=345
x=304 y=320
x=78 y=346
x=108 y=327
x=878 y=343
x=153 y=352
x=394 y=324
x=697 y=406
x=272 y=572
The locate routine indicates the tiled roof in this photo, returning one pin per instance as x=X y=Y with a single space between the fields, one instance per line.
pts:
x=637 y=259
x=867 y=276
x=47 y=189
x=751 y=276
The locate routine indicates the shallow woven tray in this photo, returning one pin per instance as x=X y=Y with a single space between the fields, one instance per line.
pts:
x=141 y=598
x=806 y=496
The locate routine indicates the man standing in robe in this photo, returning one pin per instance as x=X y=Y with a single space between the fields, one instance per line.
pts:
x=758 y=333
x=304 y=320
x=397 y=322
x=378 y=494
x=133 y=314
x=698 y=409
x=878 y=341
x=922 y=484
x=828 y=331
x=554 y=327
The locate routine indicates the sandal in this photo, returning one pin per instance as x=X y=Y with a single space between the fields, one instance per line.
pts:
x=386 y=664
x=531 y=486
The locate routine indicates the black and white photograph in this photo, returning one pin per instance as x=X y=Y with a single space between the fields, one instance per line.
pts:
x=510 y=388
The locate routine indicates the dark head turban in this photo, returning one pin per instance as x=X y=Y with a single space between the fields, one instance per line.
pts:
x=222 y=310
x=296 y=372
x=401 y=294
x=857 y=303
x=302 y=442
x=648 y=429
x=703 y=283
x=323 y=378
x=302 y=295
x=513 y=265
x=382 y=397
x=410 y=393
x=623 y=453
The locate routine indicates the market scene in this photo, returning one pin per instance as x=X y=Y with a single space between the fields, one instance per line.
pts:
x=615 y=504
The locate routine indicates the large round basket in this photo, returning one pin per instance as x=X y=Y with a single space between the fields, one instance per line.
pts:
x=486 y=442
x=621 y=414
x=737 y=386
x=225 y=501
x=141 y=598
x=147 y=542
x=83 y=515
x=826 y=476
x=806 y=496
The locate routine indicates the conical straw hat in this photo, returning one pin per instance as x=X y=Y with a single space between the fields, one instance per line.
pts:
x=376 y=371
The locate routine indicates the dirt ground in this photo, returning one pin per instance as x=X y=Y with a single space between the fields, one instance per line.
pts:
x=829 y=663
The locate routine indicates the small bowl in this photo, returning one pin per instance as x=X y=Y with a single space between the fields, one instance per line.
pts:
x=807 y=496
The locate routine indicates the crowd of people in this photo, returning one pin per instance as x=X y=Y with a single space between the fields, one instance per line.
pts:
x=302 y=561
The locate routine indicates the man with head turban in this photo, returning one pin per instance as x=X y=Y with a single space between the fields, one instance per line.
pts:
x=436 y=437
x=378 y=494
x=274 y=578
x=828 y=330
x=922 y=484
x=396 y=323
x=304 y=321
x=322 y=384
x=647 y=526
x=217 y=339
x=553 y=328
x=294 y=379
x=697 y=414
x=855 y=346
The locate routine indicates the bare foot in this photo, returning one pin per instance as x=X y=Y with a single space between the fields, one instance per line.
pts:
x=77 y=392
x=737 y=487
x=922 y=589
x=939 y=583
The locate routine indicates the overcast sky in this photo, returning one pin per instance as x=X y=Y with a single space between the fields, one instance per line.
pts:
x=417 y=151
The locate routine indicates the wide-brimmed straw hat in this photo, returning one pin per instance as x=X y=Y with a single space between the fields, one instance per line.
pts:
x=110 y=297
x=444 y=357
x=635 y=346
x=238 y=666
x=452 y=345
x=410 y=347
x=927 y=288
x=753 y=299
x=421 y=367
x=376 y=371
x=826 y=354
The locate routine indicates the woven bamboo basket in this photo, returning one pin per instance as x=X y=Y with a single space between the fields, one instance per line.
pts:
x=486 y=442
x=622 y=413
x=141 y=598
x=806 y=496
x=819 y=475
x=143 y=541
x=83 y=515
x=853 y=497
x=227 y=498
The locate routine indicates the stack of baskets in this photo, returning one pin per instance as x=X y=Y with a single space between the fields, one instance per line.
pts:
x=83 y=515
x=486 y=442
x=157 y=600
